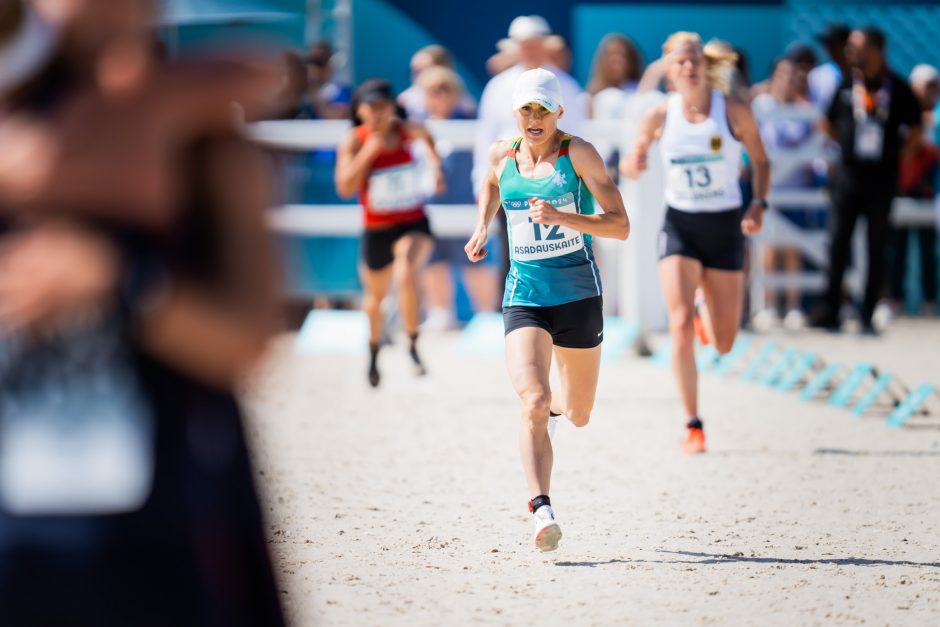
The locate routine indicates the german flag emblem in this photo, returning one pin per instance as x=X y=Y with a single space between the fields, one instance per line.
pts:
x=716 y=143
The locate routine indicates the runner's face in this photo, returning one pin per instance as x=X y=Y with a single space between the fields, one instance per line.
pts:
x=537 y=123
x=377 y=115
x=686 y=65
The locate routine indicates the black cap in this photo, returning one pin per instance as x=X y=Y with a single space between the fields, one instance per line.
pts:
x=834 y=33
x=800 y=53
x=372 y=90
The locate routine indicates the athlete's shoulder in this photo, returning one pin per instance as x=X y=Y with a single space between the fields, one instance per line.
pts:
x=583 y=154
x=735 y=105
x=499 y=150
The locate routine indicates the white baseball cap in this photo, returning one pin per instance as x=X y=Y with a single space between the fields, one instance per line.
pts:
x=539 y=86
x=924 y=73
x=527 y=27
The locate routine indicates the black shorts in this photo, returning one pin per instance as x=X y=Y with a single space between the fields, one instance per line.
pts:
x=578 y=324
x=713 y=238
x=377 y=244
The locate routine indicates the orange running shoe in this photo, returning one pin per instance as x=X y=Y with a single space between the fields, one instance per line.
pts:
x=698 y=322
x=694 y=441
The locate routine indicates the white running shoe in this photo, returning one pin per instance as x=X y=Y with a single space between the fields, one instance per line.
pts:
x=547 y=531
x=795 y=320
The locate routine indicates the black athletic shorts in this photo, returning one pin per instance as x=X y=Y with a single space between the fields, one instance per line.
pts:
x=713 y=238
x=578 y=324
x=377 y=243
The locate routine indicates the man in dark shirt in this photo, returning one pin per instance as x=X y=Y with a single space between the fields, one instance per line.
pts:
x=873 y=117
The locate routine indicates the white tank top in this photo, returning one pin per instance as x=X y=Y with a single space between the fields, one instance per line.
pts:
x=701 y=161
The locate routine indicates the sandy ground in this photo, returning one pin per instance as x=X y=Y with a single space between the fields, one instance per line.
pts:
x=406 y=505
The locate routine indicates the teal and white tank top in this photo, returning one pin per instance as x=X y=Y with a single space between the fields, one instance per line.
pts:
x=549 y=264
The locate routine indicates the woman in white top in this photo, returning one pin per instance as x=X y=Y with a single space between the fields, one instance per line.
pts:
x=701 y=132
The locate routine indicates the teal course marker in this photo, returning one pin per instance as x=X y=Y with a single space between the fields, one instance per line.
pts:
x=619 y=336
x=663 y=355
x=741 y=345
x=819 y=382
x=879 y=386
x=780 y=366
x=846 y=391
x=910 y=405
x=707 y=357
x=333 y=332
x=750 y=373
x=801 y=367
x=483 y=335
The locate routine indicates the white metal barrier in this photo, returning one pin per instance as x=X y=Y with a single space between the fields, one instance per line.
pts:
x=629 y=270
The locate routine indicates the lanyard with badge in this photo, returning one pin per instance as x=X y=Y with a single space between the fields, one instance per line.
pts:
x=870 y=127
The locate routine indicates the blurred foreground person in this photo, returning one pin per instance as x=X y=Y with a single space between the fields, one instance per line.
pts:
x=136 y=288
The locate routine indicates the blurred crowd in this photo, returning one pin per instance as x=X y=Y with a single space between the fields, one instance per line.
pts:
x=792 y=106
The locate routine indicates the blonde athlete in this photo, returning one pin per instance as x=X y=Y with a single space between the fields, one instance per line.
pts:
x=701 y=132
x=547 y=181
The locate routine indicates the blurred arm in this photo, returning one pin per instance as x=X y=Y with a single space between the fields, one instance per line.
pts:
x=216 y=333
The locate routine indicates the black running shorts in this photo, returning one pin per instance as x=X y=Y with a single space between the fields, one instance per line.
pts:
x=578 y=324
x=377 y=244
x=713 y=238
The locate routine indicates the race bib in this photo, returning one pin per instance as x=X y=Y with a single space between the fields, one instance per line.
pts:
x=869 y=139
x=394 y=189
x=531 y=241
x=700 y=177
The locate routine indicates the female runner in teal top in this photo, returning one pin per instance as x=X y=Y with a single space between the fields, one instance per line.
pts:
x=547 y=182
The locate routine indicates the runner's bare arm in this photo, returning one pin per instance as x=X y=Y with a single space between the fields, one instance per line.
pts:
x=487 y=201
x=745 y=128
x=590 y=167
x=353 y=162
x=743 y=125
x=651 y=126
x=420 y=133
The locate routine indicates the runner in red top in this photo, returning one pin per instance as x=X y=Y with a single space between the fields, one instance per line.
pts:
x=374 y=160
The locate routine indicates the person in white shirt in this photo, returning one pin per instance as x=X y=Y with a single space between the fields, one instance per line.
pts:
x=824 y=79
x=496 y=121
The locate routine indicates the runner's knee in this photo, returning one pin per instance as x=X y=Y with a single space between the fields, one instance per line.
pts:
x=579 y=417
x=723 y=343
x=680 y=324
x=536 y=403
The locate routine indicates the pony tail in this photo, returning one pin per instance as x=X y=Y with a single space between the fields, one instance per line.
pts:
x=720 y=60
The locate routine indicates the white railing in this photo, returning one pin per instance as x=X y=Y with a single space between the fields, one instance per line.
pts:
x=630 y=270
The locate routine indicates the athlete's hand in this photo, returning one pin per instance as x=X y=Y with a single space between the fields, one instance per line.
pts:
x=633 y=164
x=51 y=274
x=373 y=145
x=440 y=183
x=476 y=247
x=753 y=220
x=542 y=212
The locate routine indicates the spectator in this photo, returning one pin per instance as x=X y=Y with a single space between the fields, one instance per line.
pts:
x=559 y=52
x=330 y=98
x=918 y=170
x=294 y=102
x=824 y=79
x=874 y=117
x=803 y=59
x=413 y=99
x=443 y=89
x=784 y=117
x=528 y=33
x=617 y=64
